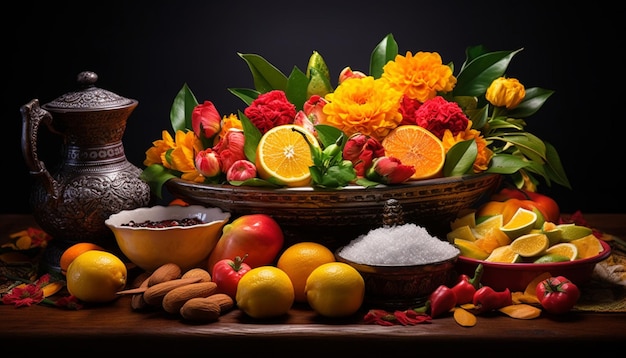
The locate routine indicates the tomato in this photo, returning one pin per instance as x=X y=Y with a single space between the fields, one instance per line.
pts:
x=227 y=273
x=557 y=295
x=257 y=235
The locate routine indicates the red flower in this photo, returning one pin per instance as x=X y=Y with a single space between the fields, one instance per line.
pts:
x=205 y=120
x=437 y=115
x=389 y=170
x=230 y=149
x=408 y=107
x=269 y=110
x=24 y=296
x=361 y=150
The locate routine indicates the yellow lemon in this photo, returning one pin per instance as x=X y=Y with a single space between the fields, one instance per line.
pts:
x=503 y=254
x=466 y=217
x=567 y=249
x=470 y=249
x=265 y=292
x=462 y=232
x=530 y=244
x=335 y=289
x=587 y=246
x=96 y=276
x=299 y=260
x=485 y=226
x=521 y=223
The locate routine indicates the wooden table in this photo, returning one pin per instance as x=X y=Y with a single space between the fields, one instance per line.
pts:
x=115 y=328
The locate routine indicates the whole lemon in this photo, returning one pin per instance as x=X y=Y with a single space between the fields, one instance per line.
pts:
x=265 y=292
x=96 y=276
x=335 y=289
x=299 y=260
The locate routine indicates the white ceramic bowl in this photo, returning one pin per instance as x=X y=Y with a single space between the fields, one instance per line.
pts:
x=186 y=246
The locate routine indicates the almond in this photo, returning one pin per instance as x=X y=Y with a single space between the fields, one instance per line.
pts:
x=154 y=294
x=223 y=300
x=165 y=272
x=136 y=300
x=198 y=272
x=200 y=310
x=174 y=300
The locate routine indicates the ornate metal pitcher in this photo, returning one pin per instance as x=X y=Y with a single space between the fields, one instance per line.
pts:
x=95 y=179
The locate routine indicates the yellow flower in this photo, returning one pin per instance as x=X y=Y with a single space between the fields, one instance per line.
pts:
x=363 y=105
x=481 y=163
x=228 y=122
x=419 y=77
x=505 y=92
x=182 y=157
x=156 y=154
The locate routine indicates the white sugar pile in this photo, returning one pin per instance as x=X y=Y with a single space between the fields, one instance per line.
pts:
x=401 y=245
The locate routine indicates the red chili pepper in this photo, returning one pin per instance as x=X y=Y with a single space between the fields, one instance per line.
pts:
x=442 y=300
x=465 y=287
x=487 y=299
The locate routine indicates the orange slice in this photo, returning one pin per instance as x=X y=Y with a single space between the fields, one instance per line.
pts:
x=416 y=146
x=284 y=155
x=530 y=245
x=588 y=246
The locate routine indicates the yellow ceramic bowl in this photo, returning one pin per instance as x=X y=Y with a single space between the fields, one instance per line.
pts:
x=186 y=246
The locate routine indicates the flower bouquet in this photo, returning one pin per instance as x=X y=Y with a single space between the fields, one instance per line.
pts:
x=409 y=122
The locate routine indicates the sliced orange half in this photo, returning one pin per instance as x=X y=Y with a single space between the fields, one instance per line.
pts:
x=284 y=155
x=416 y=146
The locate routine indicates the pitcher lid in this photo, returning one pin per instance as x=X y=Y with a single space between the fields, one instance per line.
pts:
x=89 y=97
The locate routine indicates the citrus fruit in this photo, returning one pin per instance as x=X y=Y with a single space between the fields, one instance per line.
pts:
x=487 y=225
x=503 y=254
x=335 y=289
x=588 y=246
x=299 y=260
x=265 y=292
x=550 y=258
x=571 y=232
x=73 y=251
x=530 y=244
x=569 y=250
x=416 y=146
x=462 y=232
x=284 y=155
x=464 y=219
x=521 y=223
x=96 y=276
x=470 y=249
x=553 y=233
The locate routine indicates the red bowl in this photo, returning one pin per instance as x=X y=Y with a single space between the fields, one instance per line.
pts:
x=516 y=277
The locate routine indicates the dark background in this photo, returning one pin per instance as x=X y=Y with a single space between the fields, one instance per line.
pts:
x=148 y=50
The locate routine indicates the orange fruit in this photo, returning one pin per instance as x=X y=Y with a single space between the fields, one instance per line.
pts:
x=530 y=244
x=588 y=246
x=299 y=260
x=73 y=251
x=284 y=155
x=416 y=146
x=96 y=276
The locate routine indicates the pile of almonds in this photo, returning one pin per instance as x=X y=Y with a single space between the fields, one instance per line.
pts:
x=191 y=294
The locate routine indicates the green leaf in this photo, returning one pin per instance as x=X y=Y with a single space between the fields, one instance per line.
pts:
x=477 y=75
x=533 y=101
x=366 y=182
x=554 y=168
x=156 y=175
x=245 y=94
x=506 y=164
x=327 y=135
x=182 y=107
x=266 y=76
x=252 y=136
x=296 y=91
x=385 y=51
x=460 y=158
x=529 y=144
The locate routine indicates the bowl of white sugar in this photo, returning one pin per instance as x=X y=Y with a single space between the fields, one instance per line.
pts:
x=401 y=265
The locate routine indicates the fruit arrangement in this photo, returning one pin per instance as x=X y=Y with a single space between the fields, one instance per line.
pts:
x=508 y=229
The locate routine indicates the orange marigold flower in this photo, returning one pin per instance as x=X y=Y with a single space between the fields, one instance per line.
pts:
x=228 y=122
x=481 y=163
x=155 y=154
x=182 y=157
x=419 y=77
x=363 y=105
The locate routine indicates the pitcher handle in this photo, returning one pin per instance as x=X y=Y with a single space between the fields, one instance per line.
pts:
x=32 y=116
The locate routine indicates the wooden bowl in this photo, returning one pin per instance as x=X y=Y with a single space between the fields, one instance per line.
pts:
x=334 y=217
